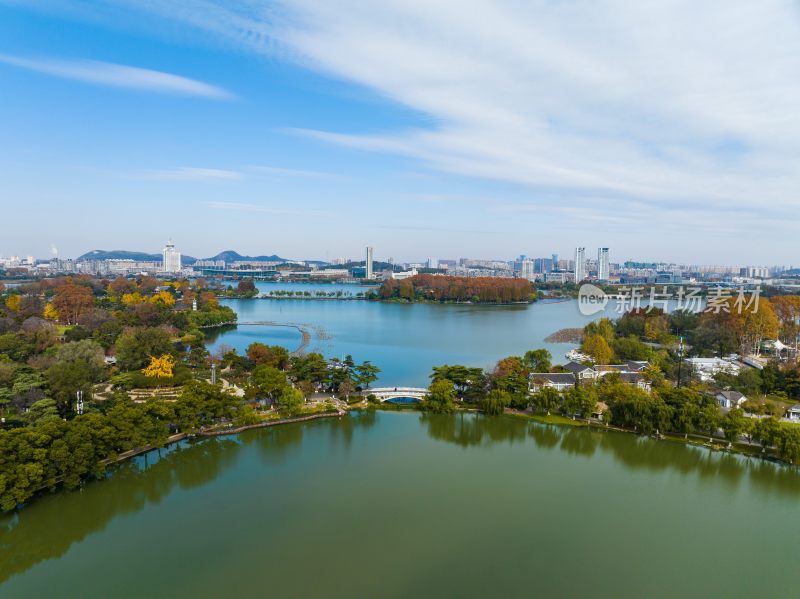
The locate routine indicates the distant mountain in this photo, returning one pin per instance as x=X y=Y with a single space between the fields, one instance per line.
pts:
x=126 y=255
x=230 y=256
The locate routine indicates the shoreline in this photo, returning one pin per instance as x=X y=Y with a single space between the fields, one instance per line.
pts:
x=748 y=450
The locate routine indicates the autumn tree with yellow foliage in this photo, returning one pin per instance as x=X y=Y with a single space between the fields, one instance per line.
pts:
x=50 y=312
x=160 y=367
x=13 y=302
x=163 y=297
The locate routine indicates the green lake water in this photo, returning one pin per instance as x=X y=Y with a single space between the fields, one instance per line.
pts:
x=383 y=504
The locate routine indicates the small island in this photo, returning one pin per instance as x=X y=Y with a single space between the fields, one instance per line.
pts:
x=450 y=289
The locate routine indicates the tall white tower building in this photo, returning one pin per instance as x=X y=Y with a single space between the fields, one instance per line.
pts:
x=603 y=264
x=526 y=269
x=172 y=258
x=368 y=263
x=580 y=264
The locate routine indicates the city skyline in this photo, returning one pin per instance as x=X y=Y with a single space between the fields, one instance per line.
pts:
x=259 y=120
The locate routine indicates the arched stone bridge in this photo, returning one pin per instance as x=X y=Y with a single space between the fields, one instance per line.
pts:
x=387 y=393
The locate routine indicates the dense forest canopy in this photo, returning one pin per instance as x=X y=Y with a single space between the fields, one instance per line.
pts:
x=440 y=288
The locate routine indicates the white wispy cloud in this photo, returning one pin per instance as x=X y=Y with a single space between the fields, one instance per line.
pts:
x=670 y=102
x=193 y=174
x=118 y=75
x=294 y=172
x=245 y=207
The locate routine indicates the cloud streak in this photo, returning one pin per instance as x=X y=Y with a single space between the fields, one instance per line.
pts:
x=672 y=102
x=118 y=75
x=193 y=174
x=244 y=207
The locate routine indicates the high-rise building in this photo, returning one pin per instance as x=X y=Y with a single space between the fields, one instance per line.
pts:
x=580 y=264
x=526 y=269
x=603 y=264
x=172 y=258
x=433 y=263
x=368 y=264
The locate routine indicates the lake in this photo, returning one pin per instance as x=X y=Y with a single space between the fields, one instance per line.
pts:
x=403 y=340
x=383 y=504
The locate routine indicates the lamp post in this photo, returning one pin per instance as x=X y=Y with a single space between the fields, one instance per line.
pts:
x=680 y=360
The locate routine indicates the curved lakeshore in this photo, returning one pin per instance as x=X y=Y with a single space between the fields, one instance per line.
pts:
x=321 y=492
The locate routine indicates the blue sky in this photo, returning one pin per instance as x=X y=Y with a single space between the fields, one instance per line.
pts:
x=311 y=129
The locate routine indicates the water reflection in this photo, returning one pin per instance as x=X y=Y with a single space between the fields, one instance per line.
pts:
x=50 y=526
x=469 y=430
x=633 y=451
x=47 y=528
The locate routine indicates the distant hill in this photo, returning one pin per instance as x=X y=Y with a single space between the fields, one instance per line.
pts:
x=231 y=256
x=126 y=255
x=228 y=256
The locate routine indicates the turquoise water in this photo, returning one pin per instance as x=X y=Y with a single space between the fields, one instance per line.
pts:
x=406 y=340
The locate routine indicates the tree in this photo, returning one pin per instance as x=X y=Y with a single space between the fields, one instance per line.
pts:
x=588 y=403
x=572 y=401
x=496 y=402
x=65 y=379
x=441 y=397
x=708 y=419
x=246 y=287
x=13 y=302
x=135 y=346
x=766 y=430
x=469 y=383
x=164 y=298
x=50 y=312
x=269 y=381
x=686 y=417
x=72 y=301
x=310 y=367
x=345 y=389
x=271 y=355
x=734 y=424
x=789 y=449
x=598 y=348
x=160 y=367
x=603 y=328
x=546 y=400
x=366 y=374
x=291 y=400
x=537 y=360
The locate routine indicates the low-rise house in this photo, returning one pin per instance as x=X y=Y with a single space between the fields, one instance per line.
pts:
x=630 y=373
x=599 y=410
x=581 y=371
x=793 y=413
x=560 y=381
x=706 y=368
x=730 y=399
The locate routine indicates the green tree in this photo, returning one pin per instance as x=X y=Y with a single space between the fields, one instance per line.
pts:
x=537 y=360
x=734 y=424
x=291 y=400
x=135 y=346
x=496 y=402
x=546 y=400
x=441 y=398
x=708 y=419
x=366 y=374
x=269 y=381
